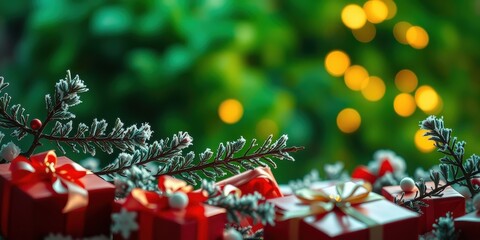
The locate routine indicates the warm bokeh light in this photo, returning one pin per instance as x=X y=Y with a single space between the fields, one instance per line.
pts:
x=404 y=104
x=376 y=11
x=374 y=89
x=406 y=81
x=366 y=33
x=392 y=8
x=417 y=37
x=422 y=142
x=337 y=62
x=230 y=111
x=266 y=127
x=427 y=99
x=348 y=120
x=356 y=77
x=400 y=32
x=353 y=16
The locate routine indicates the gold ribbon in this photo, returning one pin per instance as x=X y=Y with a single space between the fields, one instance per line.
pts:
x=320 y=201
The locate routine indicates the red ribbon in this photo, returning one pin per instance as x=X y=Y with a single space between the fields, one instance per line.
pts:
x=362 y=172
x=151 y=202
x=64 y=179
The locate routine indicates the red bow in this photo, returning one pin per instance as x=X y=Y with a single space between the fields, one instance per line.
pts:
x=151 y=202
x=362 y=172
x=64 y=179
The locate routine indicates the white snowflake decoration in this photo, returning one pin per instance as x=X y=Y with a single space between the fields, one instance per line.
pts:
x=124 y=223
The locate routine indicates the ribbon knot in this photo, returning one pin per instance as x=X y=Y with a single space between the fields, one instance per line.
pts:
x=64 y=179
x=152 y=202
x=342 y=196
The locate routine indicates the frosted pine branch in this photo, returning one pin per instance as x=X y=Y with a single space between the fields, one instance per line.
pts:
x=171 y=161
x=159 y=151
x=85 y=138
x=228 y=159
x=453 y=168
x=239 y=207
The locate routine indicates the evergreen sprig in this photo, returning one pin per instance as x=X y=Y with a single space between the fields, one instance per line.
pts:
x=444 y=228
x=239 y=207
x=171 y=160
x=453 y=168
x=65 y=96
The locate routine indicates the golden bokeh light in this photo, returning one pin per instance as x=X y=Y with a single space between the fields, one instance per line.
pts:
x=353 y=16
x=376 y=11
x=400 y=31
x=404 y=104
x=392 y=8
x=366 y=33
x=348 y=120
x=356 y=77
x=336 y=63
x=230 y=111
x=406 y=81
x=417 y=37
x=266 y=127
x=422 y=142
x=427 y=99
x=374 y=89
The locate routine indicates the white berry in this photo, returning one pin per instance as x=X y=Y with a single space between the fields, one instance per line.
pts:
x=178 y=200
x=232 y=234
x=407 y=184
x=476 y=202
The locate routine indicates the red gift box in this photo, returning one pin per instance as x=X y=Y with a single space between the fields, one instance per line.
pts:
x=390 y=221
x=259 y=180
x=468 y=226
x=197 y=221
x=450 y=201
x=33 y=210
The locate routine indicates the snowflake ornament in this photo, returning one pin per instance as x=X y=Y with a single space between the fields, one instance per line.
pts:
x=124 y=223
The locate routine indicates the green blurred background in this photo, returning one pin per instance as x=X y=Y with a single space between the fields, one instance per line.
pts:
x=173 y=62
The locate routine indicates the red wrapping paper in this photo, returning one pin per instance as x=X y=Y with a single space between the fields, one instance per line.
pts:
x=259 y=180
x=468 y=226
x=33 y=210
x=172 y=224
x=393 y=220
x=451 y=201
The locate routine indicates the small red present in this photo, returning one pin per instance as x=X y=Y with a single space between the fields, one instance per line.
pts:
x=450 y=201
x=468 y=226
x=44 y=195
x=147 y=215
x=259 y=180
x=351 y=212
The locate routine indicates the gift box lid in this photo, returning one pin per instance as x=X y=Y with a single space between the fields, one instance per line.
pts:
x=469 y=217
x=383 y=212
x=91 y=181
x=392 y=191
